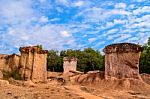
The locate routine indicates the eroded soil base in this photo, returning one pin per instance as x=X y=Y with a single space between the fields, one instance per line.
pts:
x=55 y=90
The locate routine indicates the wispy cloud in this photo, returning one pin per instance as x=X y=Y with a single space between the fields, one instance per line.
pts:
x=63 y=24
x=121 y=5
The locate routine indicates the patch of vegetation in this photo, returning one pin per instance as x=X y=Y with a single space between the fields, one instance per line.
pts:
x=40 y=46
x=145 y=58
x=88 y=59
x=14 y=74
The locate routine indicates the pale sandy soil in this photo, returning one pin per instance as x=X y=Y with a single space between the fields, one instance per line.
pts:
x=55 y=90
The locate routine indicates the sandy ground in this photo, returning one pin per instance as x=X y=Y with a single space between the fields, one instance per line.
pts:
x=55 y=90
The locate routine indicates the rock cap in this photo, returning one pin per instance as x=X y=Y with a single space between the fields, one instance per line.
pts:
x=70 y=59
x=28 y=49
x=122 y=48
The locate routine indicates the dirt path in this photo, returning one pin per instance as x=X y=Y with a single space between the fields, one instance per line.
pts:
x=76 y=90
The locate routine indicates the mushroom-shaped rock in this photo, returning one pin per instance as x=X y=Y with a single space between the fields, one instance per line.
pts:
x=122 y=60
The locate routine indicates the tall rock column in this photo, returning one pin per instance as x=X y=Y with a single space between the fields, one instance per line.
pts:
x=122 y=60
x=33 y=63
x=69 y=64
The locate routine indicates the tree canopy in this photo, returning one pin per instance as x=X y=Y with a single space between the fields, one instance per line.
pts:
x=145 y=58
x=90 y=59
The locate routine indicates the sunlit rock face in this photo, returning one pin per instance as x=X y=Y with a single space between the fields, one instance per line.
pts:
x=122 y=60
x=9 y=63
x=33 y=63
x=69 y=64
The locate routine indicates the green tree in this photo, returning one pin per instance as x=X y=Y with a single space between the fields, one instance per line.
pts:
x=145 y=58
x=40 y=46
x=88 y=59
x=54 y=61
x=92 y=60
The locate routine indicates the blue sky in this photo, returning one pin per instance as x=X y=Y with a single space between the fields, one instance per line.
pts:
x=72 y=24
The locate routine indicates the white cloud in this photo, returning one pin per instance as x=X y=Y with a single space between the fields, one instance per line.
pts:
x=14 y=12
x=122 y=37
x=78 y=3
x=111 y=37
x=54 y=19
x=47 y=35
x=119 y=21
x=140 y=25
x=21 y=23
x=106 y=26
x=112 y=31
x=22 y=32
x=91 y=14
x=64 y=2
x=91 y=39
x=64 y=33
x=97 y=14
x=75 y=3
x=118 y=12
x=144 y=18
x=25 y=37
x=120 y=5
x=141 y=35
x=133 y=39
x=99 y=44
x=132 y=6
x=41 y=1
x=44 y=19
x=142 y=10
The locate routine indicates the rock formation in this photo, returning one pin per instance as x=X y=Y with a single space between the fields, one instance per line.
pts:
x=33 y=63
x=146 y=78
x=122 y=60
x=2 y=61
x=69 y=64
x=1 y=75
x=9 y=63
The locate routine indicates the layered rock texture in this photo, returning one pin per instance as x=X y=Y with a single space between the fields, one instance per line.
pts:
x=146 y=78
x=33 y=63
x=122 y=60
x=70 y=64
x=9 y=63
x=1 y=75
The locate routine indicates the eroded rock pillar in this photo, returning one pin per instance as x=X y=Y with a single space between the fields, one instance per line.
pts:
x=33 y=63
x=69 y=64
x=122 y=60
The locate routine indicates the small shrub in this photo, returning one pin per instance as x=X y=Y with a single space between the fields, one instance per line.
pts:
x=14 y=74
x=6 y=75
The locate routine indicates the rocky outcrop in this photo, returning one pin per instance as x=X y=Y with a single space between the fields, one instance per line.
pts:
x=4 y=83
x=9 y=63
x=1 y=75
x=2 y=61
x=33 y=63
x=69 y=64
x=122 y=60
x=146 y=78
x=92 y=77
